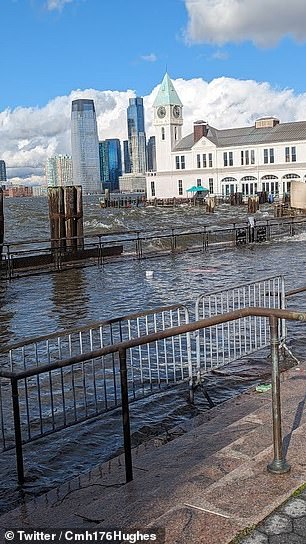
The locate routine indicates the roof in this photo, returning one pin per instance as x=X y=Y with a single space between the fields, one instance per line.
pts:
x=167 y=94
x=231 y=137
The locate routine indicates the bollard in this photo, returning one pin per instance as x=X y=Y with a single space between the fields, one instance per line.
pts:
x=1 y=223
x=57 y=217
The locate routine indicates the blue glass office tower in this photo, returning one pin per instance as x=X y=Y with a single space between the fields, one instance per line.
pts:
x=2 y=171
x=136 y=135
x=151 y=147
x=126 y=155
x=85 y=146
x=110 y=163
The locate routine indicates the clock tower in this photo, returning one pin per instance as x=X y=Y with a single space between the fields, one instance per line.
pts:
x=168 y=121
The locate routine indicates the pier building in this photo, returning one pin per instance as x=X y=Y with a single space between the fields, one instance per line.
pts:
x=266 y=156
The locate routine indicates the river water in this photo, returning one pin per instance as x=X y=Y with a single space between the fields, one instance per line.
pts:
x=36 y=305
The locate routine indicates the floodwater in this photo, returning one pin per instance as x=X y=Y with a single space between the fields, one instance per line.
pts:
x=36 y=305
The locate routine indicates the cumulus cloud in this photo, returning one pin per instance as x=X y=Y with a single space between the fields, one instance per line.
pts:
x=149 y=58
x=28 y=136
x=57 y=5
x=263 y=22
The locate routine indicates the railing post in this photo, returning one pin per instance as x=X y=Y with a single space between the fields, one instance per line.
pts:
x=17 y=429
x=126 y=416
x=279 y=464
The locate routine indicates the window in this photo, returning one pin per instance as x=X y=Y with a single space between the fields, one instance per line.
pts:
x=247 y=158
x=163 y=133
x=287 y=154
x=210 y=160
x=271 y=153
x=252 y=156
x=242 y=157
x=266 y=156
x=177 y=162
x=211 y=185
x=204 y=160
x=183 y=162
x=180 y=186
x=225 y=158
x=198 y=161
x=199 y=183
x=175 y=133
x=153 y=188
x=230 y=158
x=293 y=154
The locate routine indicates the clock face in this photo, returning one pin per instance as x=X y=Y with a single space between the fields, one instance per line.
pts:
x=161 y=112
x=176 y=111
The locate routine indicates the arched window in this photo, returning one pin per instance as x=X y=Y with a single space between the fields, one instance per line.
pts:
x=269 y=176
x=228 y=180
x=163 y=133
x=291 y=176
x=248 y=178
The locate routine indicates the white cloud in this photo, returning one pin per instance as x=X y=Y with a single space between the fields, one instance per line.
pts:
x=149 y=58
x=57 y=5
x=28 y=136
x=263 y=22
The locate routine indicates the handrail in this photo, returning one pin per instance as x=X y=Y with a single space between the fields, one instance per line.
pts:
x=279 y=464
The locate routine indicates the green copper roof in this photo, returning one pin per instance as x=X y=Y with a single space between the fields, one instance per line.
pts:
x=167 y=94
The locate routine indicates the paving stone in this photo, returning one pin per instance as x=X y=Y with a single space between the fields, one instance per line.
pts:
x=299 y=526
x=256 y=538
x=286 y=539
x=295 y=508
x=277 y=525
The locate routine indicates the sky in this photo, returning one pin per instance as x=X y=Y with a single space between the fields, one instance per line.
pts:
x=231 y=62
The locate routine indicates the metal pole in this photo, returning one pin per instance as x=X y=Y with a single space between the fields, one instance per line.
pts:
x=126 y=416
x=17 y=428
x=279 y=464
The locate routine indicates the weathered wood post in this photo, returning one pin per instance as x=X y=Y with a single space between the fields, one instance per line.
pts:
x=1 y=222
x=57 y=217
x=70 y=205
x=79 y=222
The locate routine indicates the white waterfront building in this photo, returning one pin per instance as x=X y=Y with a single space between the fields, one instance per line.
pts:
x=264 y=157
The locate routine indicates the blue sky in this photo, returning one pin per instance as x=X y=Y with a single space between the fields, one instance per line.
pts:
x=126 y=44
x=231 y=62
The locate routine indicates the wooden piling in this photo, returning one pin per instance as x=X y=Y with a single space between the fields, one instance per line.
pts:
x=253 y=204
x=70 y=202
x=1 y=222
x=57 y=217
x=79 y=211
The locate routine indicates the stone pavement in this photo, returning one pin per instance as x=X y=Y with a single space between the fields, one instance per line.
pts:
x=206 y=486
x=286 y=525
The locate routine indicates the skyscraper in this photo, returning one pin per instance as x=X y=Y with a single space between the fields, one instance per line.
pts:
x=136 y=135
x=2 y=171
x=110 y=163
x=59 y=171
x=151 y=148
x=126 y=155
x=85 y=146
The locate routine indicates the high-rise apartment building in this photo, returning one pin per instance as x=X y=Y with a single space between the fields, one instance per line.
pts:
x=136 y=135
x=59 y=171
x=126 y=155
x=2 y=171
x=110 y=163
x=151 y=150
x=85 y=146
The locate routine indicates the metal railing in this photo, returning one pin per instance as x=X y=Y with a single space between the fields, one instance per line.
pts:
x=122 y=349
x=67 y=396
x=26 y=257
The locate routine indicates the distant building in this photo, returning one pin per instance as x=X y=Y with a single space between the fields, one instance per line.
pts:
x=39 y=190
x=85 y=146
x=136 y=135
x=3 y=177
x=151 y=151
x=266 y=156
x=59 y=171
x=110 y=163
x=132 y=183
x=126 y=156
x=18 y=191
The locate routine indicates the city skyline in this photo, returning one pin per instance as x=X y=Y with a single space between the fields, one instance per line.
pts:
x=229 y=70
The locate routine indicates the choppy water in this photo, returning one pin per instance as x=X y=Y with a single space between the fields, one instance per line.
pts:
x=37 y=305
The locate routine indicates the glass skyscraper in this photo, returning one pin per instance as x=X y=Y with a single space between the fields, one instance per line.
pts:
x=59 y=171
x=151 y=154
x=136 y=135
x=2 y=171
x=110 y=163
x=126 y=155
x=85 y=146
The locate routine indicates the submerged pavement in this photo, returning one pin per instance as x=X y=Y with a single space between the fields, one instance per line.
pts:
x=208 y=485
